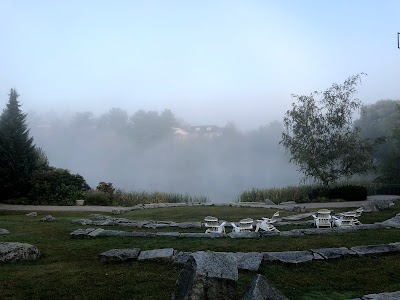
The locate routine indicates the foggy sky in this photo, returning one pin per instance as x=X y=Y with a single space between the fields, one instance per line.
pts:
x=210 y=62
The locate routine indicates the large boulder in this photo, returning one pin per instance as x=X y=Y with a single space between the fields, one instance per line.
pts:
x=249 y=260
x=18 y=251
x=48 y=218
x=261 y=289
x=208 y=275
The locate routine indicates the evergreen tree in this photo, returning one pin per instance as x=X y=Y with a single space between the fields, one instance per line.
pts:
x=18 y=155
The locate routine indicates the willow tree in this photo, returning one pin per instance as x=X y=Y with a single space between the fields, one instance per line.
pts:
x=321 y=138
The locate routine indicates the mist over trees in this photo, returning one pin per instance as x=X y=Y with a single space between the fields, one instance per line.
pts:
x=140 y=151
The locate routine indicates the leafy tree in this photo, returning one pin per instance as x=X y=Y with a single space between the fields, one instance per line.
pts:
x=391 y=166
x=149 y=127
x=320 y=136
x=18 y=155
x=377 y=120
x=56 y=186
x=116 y=119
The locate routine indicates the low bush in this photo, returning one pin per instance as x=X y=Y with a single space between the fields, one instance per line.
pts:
x=305 y=193
x=348 y=192
x=97 y=198
x=298 y=194
x=56 y=187
x=133 y=198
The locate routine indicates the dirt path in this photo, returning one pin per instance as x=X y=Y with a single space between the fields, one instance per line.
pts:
x=111 y=208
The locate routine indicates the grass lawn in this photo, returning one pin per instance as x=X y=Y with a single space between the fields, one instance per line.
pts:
x=69 y=268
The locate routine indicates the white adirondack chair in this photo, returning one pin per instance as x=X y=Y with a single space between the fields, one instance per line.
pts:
x=218 y=229
x=345 y=220
x=245 y=225
x=265 y=225
x=323 y=218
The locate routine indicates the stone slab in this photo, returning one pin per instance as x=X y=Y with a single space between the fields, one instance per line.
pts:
x=249 y=260
x=290 y=257
x=333 y=253
x=119 y=255
x=166 y=254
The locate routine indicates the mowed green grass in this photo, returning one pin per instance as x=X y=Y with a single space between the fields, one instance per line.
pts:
x=69 y=268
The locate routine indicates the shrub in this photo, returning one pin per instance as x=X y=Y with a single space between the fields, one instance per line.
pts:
x=106 y=188
x=305 y=193
x=97 y=198
x=56 y=187
x=348 y=192
x=276 y=195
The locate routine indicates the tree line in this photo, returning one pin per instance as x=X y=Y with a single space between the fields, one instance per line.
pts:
x=139 y=151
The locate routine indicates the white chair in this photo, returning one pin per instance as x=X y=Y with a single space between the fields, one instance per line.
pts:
x=358 y=212
x=323 y=218
x=219 y=229
x=265 y=225
x=211 y=223
x=245 y=225
x=275 y=217
x=345 y=220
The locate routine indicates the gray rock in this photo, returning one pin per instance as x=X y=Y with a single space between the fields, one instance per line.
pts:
x=155 y=225
x=99 y=216
x=4 y=231
x=119 y=255
x=95 y=233
x=18 y=251
x=48 y=218
x=81 y=233
x=268 y=233
x=107 y=232
x=376 y=249
x=32 y=214
x=290 y=257
x=393 y=222
x=261 y=289
x=83 y=221
x=383 y=205
x=106 y=222
x=166 y=254
x=208 y=275
x=249 y=260
x=141 y=234
x=382 y=296
x=368 y=208
x=182 y=257
x=244 y=235
x=333 y=253
x=188 y=225
x=202 y=235
x=174 y=234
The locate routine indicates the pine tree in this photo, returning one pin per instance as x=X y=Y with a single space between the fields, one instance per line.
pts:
x=18 y=155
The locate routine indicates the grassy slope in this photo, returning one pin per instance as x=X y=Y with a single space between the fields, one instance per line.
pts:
x=69 y=268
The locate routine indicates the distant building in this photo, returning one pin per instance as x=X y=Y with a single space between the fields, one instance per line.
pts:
x=207 y=131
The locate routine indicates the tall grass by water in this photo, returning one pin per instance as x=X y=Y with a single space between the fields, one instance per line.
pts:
x=122 y=198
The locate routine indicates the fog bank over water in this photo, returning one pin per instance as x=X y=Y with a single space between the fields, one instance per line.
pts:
x=140 y=152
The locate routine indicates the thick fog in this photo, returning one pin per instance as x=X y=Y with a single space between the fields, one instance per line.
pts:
x=142 y=152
